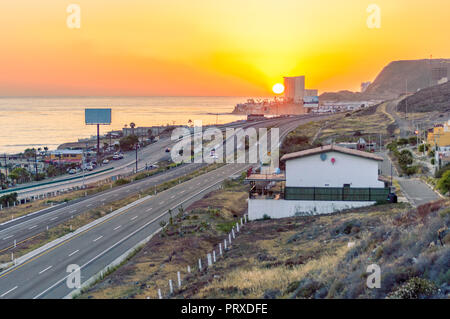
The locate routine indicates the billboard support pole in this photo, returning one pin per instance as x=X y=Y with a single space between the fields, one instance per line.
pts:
x=98 y=144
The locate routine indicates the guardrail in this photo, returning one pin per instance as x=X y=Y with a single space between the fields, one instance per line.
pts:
x=54 y=182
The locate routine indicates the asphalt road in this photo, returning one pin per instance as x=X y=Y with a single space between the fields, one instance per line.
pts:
x=44 y=275
x=22 y=229
x=416 y=191
x=148 y=155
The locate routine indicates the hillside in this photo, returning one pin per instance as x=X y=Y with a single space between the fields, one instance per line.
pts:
x=395 y=79
x=435 y=98
x=301 y=257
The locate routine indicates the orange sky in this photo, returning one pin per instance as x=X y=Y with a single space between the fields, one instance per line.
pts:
x=209 y=47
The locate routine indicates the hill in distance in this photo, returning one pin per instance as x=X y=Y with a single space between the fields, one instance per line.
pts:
x=435 y=98
x=398 y=77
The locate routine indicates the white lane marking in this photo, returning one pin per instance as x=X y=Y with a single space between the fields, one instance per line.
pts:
x=97 y=238
x=42 y=271
x=172 y=197
x=9 y=291
x=134 y=218
x=148 y=209
x=182 y=192
x=76 y=210
x=7 y=237
x=32 y=227
x=89 y=205
x=128 y=190
x=161 y=203
x=73 y=253
x=125 y=238
x=117 y=227
x=54 y=218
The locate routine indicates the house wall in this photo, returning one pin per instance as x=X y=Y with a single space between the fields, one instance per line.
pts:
x=257 y=208
x=311 y=171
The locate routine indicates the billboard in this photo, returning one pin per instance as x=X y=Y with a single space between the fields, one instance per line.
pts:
x=311 y=101
x=97 y=116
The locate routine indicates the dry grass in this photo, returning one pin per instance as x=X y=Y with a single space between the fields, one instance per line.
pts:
x=194 y=232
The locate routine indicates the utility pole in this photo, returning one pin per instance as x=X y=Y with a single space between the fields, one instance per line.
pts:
x=137 y=157
x=6 y=170
x=98 y=144
x=406 y=100
x=35 y=164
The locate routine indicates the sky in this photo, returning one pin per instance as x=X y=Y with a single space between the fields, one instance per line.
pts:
x=209 y=47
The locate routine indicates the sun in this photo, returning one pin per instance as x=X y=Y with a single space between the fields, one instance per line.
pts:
x=278 y=88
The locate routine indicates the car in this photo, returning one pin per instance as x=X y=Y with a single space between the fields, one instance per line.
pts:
x=168 y=150
x=116 y=157
x=105 y=161
x=72 y=171
x=89 y=167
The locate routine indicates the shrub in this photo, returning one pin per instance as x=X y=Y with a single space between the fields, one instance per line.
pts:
x=421 y=148
x=10 y=198
x=413 y=289
x=444 y=183
x=121 y=181
x=442 y=170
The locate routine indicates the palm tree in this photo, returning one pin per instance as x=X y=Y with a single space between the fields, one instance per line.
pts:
x=132 y=125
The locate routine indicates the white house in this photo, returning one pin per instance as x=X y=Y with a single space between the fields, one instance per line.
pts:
x=319 y=181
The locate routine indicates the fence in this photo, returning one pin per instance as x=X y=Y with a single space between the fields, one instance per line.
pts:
x=204 y=263
x=337 y=194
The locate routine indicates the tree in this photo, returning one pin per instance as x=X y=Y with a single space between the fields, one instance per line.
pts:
x=132 y=125
x=443 y=183
x=20 y=174
x=127 y=143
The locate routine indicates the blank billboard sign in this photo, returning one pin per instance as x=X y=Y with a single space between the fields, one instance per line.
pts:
x=97 y=116
x=311 y=101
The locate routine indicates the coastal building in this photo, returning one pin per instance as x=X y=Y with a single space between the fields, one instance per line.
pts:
x=65 y=157
x=317 y=181
x=294 y=89
x=439 y=135
x=142 y=131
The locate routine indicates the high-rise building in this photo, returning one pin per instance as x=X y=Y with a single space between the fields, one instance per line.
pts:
x=294 y=88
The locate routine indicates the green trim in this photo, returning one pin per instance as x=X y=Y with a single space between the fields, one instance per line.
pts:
x=337 y=194
x=53 y=182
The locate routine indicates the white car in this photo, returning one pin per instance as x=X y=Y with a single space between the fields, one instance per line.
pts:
x=72 y=171
x=105 y=161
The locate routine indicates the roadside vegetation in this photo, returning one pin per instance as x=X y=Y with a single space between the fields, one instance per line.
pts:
x=84 y=218
x=327 y=256
x=187 y=236
x=300 y=257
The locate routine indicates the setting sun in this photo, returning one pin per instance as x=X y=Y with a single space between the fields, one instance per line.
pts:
x=278 y=88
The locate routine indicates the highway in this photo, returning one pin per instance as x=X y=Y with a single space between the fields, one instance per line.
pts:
x=20 y=230
x=44 y=275
x=148 y=155
x=14 y=233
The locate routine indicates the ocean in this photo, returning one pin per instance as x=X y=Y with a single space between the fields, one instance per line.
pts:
x=39 y=122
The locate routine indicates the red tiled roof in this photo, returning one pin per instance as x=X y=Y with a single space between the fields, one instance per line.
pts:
x=328 y=148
